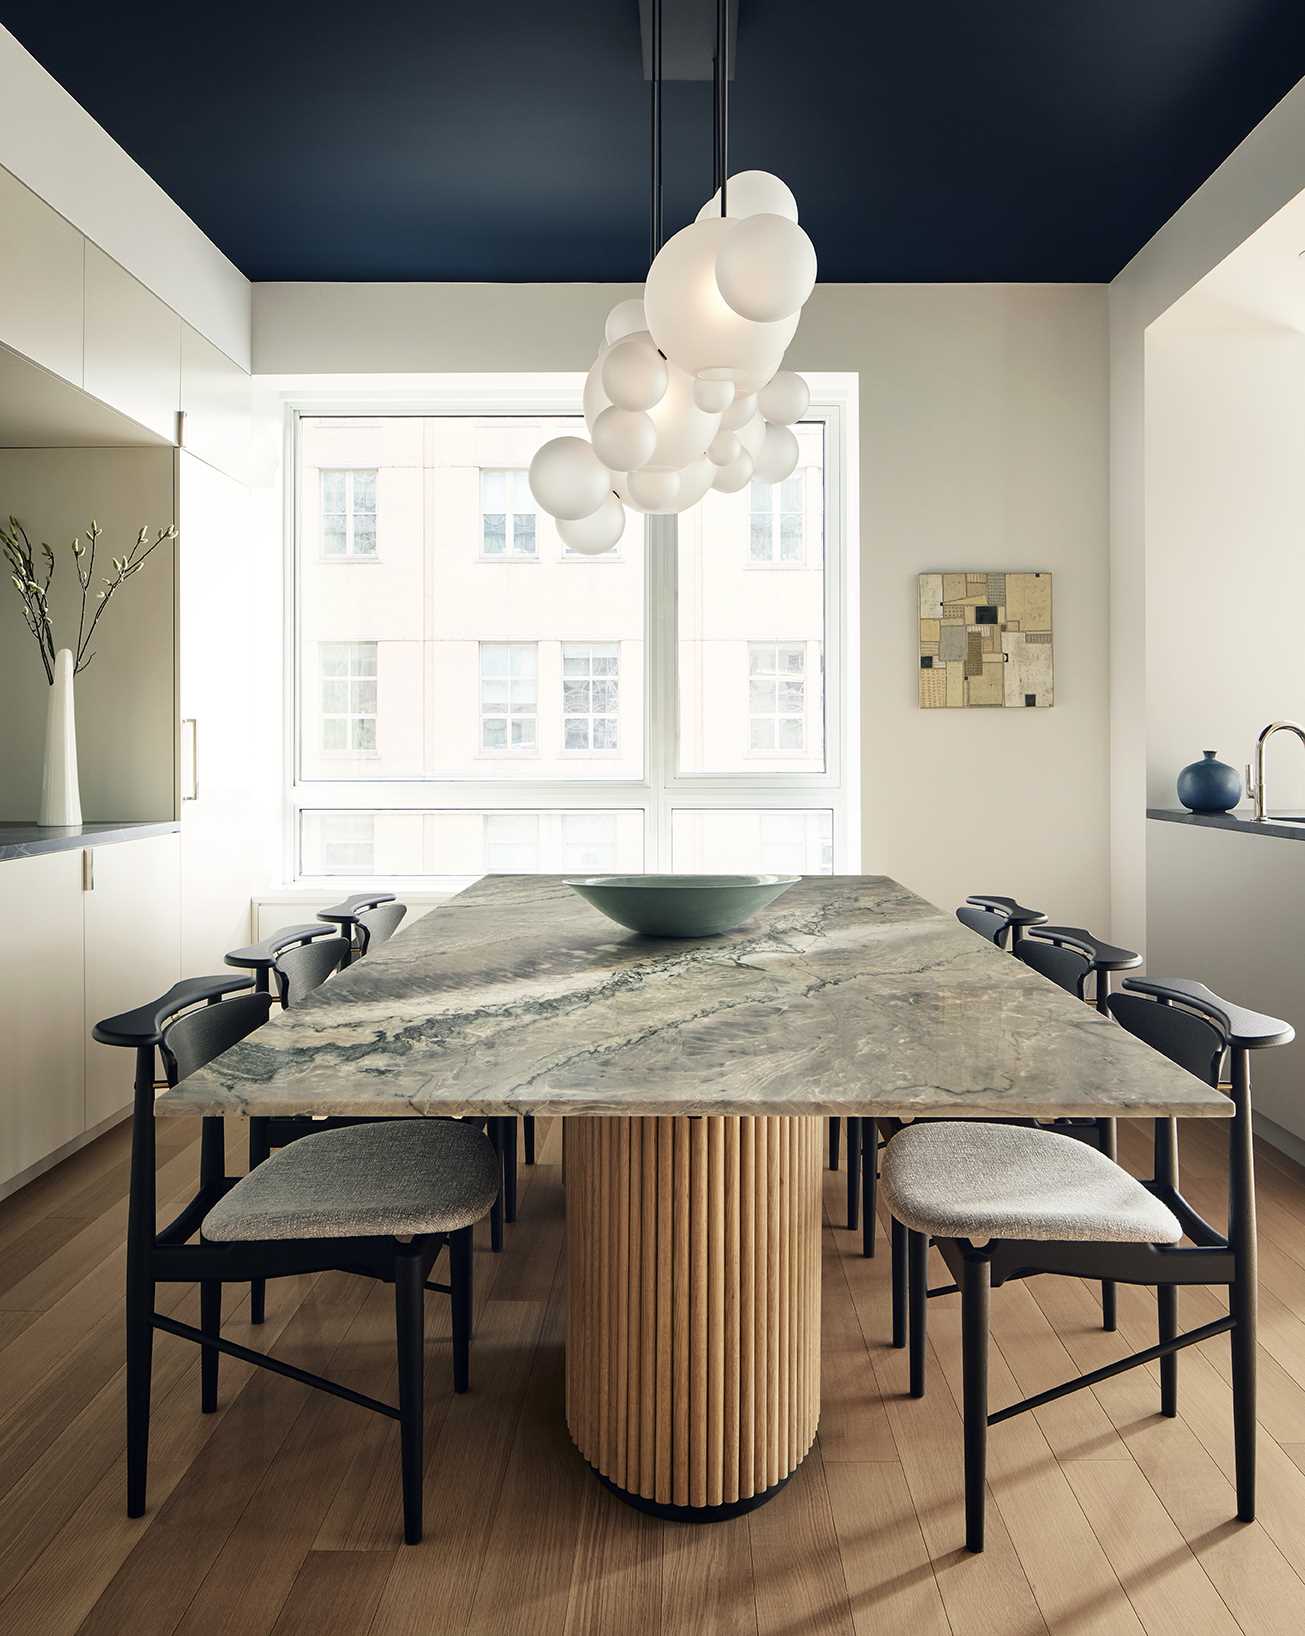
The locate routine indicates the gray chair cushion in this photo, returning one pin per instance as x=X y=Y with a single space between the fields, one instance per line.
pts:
x=961 y=1180
x=394 y=1178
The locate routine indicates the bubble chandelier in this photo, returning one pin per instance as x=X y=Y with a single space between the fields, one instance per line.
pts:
x=689 y=392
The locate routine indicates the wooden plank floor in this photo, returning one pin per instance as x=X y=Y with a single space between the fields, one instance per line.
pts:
x=280 y=1513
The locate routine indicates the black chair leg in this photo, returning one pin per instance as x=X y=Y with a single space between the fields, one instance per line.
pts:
x=1242 y=1304
x=510 y=1169
x=494 y=1130
x=917 y=1260
x=461 y=1261
x=975 y=1281
x=210 y=1321
x=140 y=1363
x=528 y=1134
x=1166 y=1300
x=900 y=1281
x=409 y=1325
x=835 y=1130
x=259 y=1149
x=869 y=1183
x=853 y=1174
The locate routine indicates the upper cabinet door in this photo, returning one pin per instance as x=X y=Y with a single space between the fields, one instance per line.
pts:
x=40 y=281
x=215 y=398
x=133 y=346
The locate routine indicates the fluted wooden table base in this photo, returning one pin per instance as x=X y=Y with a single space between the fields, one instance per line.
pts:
x=693 y=1341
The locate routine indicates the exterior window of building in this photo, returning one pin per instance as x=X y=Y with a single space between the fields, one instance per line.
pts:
x=777 y=514
x=348 y=844
x=507 y=515
x=349 y=514
x=590 y=695
x=589 y=841
x=511 y=843
x=776 y=696
x=509 y=696
x=348 y=697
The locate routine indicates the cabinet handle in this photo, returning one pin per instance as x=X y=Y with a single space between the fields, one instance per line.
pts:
x=88 y=869
x=190 y=738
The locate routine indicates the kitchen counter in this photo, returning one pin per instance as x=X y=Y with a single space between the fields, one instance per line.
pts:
x=30 y=840
x=1283 y=829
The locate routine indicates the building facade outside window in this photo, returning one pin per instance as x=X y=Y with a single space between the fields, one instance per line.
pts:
x=348 y=513
x=509 y=696
x=507 y=515
x=511 y=843
x=590 y=695
x=348 y=697
x=777 y=521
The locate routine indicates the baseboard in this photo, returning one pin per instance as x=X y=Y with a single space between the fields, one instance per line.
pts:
x=1279 y=1136
x=16 y=1183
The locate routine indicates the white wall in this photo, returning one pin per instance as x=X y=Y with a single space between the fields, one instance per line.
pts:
x=1261 y=176
x=52 y=144
x=983 y=445
x=1225 y=573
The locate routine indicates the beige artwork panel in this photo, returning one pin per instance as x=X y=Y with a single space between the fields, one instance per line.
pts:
x=984 y=640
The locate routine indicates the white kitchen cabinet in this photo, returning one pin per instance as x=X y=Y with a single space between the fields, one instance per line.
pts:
x=133 y=346
x=42 y=1008
x=131 y=904
x=215 y=399
x=40 y=281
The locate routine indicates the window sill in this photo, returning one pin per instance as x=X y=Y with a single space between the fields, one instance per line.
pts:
x=345 y=560
x=504 y=560
x=771 y=567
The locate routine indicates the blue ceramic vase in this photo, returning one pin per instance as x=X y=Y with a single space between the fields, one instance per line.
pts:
x=1209 y=785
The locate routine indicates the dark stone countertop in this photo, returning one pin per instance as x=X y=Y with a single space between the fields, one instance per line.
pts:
x=31 y=840
x=1239 y=821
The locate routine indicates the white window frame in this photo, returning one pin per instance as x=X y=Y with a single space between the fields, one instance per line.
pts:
x=663 y=789
x=510 y=474
x=350 y=679
x=591 y=716
x=507 y=751
x=348 y=554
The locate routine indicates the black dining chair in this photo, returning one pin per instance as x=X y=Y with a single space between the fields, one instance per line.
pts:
x=1009 y=1201
x=349 y=912
x=383 y=1200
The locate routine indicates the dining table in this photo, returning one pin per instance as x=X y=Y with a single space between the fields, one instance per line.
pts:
x=693 y=1077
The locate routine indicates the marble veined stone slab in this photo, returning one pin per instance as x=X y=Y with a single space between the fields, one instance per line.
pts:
x=848 y=995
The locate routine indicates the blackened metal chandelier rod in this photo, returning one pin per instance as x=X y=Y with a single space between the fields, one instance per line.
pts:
x=655 y=202
x=721 y=75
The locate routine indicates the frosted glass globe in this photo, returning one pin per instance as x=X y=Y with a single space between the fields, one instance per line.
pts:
x=779 y=454
x=623 y=438
x=738 y=474
x=740 y=412
x=654 y=488
x=568 y=479
x=689 y=318
x=766 y=268
x=596 y=533
x=784 y=399
x=752 y=435
x=713 y=396
x=594 y=399
x=683 y=430
x=695 y=480
x=625 y=318
x=753 y=193
x=634 y=372
x=723 y=449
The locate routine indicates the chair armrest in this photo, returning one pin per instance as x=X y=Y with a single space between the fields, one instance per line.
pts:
x=1249 y=1030
x=145 y=1025
x=1104 y=956
x=262 y=956
x=347 y=912
x=1016 y=913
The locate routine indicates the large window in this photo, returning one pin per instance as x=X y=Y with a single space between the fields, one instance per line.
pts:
x=663 y=707
x=348 y=513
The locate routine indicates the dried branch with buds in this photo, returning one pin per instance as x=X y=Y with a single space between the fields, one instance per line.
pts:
x=33 y=584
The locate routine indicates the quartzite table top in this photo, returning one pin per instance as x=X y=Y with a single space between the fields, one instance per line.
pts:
x=848 y=995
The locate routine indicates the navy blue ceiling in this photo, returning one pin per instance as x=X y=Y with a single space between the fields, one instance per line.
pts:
x=507 y=139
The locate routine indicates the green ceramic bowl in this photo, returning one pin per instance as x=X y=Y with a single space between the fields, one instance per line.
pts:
x=681 y=905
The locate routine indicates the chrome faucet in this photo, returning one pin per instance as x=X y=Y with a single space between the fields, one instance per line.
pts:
x=1255 y=788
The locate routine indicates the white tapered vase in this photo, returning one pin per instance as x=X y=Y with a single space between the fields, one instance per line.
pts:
x=61 y=801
